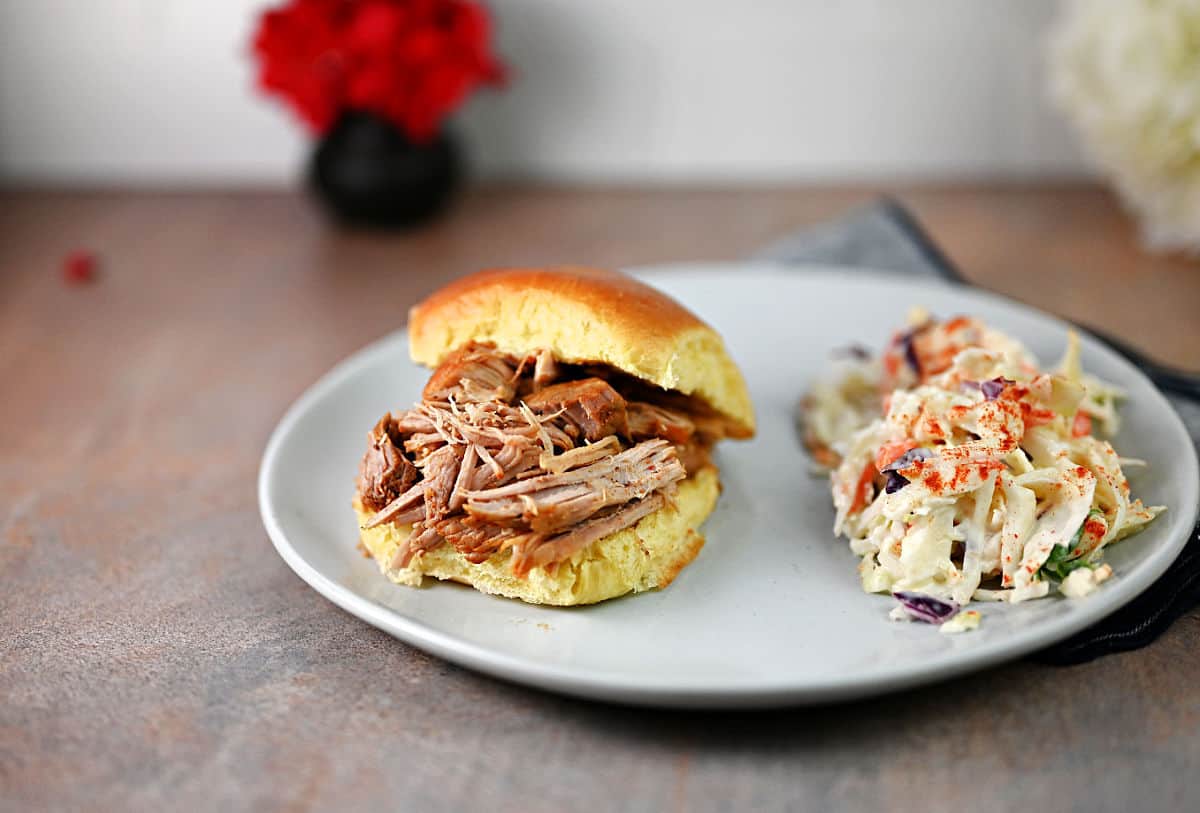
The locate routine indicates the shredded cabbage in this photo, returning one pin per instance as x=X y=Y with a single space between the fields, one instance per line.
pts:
x=963 y=472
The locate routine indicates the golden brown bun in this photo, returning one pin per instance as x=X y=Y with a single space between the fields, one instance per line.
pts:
x=642 y=557
x=585 y=315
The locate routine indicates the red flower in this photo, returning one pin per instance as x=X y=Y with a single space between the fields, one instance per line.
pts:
x=412 y=62
x=79 y=267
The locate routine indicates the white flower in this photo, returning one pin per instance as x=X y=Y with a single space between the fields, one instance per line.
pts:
x=1128 y=74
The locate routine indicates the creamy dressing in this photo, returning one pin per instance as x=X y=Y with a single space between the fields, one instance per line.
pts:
x=979 y=477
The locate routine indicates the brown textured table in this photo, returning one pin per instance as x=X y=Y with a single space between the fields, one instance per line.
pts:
x=155 y=653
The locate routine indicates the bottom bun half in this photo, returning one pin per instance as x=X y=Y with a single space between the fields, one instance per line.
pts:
x=642 y=557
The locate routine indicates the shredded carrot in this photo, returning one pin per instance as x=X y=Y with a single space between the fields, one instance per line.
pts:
x=1082 y=425
x=891 y=364
x=862 y=489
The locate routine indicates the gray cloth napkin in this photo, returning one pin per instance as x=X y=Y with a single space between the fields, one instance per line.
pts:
x=886 y=237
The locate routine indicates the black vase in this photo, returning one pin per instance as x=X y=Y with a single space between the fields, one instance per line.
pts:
x=367 y=172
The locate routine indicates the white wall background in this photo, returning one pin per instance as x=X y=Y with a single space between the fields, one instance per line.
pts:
x=161 y=91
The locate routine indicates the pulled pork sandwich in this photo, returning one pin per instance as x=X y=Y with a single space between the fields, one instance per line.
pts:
x=561 y=451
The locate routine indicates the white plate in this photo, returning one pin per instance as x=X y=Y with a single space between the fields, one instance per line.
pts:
x=771 y=611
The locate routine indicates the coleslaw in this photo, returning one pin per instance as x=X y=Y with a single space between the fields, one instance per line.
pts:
x=961 y=471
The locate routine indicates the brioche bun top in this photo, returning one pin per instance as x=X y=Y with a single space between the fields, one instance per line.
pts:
x=585 y=315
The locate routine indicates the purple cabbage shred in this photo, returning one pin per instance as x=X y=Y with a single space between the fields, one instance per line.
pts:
x=908 y=458
x=910 y=354
x=926 y=608
x=895 y=482
x=991 y=389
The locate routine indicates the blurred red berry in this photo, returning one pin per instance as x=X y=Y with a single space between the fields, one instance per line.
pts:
x=79 y=267
x=412 y=62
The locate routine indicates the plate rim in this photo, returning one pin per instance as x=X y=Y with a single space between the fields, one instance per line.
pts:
x=644 y=690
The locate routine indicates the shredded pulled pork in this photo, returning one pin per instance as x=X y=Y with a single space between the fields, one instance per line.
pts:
x=545 y=369
x=534 y=552
x=650 y=421
x=579 y=456
x=385 y=472
x=473 y=373
x=532 y=455
x=591 y=407
x=554 y=502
